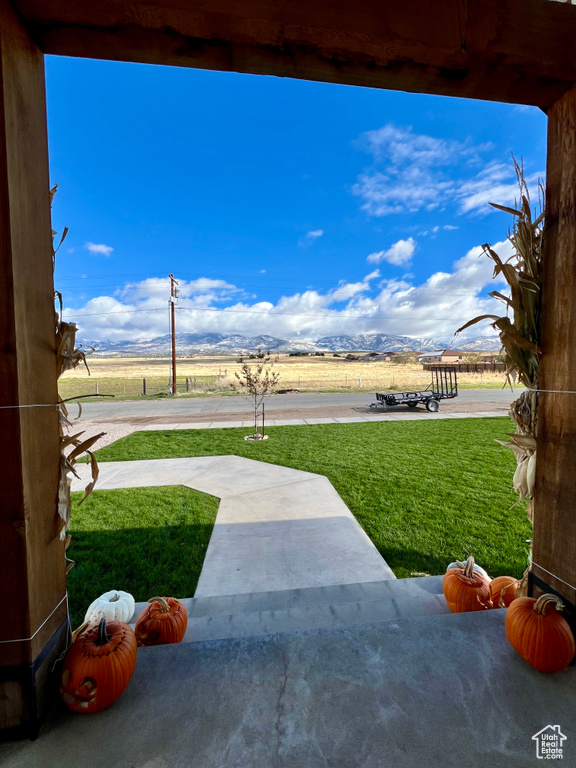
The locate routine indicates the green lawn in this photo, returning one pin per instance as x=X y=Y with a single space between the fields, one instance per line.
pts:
x=426 y=493
x=147 y=541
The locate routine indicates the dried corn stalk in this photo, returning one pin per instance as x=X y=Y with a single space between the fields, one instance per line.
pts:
x=72 y=446
x=520 y=329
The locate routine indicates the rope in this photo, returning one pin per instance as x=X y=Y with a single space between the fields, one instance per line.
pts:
x=554 y=576
x=53 y=405
x=26 y=639
x=553 y=391
x=32 y=405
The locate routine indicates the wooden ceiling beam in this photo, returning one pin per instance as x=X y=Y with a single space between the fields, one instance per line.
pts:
x=515 y=51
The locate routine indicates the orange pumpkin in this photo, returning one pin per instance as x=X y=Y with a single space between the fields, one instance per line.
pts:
x=98 y=666
x=537 y=631
x=465 y=589
x=164 y=620
x=503 y=590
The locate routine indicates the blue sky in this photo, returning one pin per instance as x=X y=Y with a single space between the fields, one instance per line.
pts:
x=284 y=207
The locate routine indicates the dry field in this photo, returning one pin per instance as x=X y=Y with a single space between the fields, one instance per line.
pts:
x=123 y=376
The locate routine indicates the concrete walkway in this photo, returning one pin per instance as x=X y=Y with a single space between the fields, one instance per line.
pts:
x=370 y=417
x=276 y=529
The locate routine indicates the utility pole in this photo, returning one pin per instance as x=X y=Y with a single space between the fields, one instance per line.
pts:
x=173 y=297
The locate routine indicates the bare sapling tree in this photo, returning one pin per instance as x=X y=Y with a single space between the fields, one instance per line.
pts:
x=257 y=381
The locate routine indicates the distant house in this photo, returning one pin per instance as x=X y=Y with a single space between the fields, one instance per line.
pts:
x=443 y=356
x=374 y=357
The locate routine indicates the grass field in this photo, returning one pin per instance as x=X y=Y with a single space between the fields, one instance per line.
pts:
x=146 y=541
x=426 y=493
x=123 y=376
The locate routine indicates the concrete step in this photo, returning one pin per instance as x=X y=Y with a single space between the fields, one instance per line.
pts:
x=307 y=596
x=263 y=613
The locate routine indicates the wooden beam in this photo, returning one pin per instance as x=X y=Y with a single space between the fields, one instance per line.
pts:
x=554 y=548
x=32 y=574
x=517 y=51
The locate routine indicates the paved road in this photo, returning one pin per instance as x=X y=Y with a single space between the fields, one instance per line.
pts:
x=196 y=407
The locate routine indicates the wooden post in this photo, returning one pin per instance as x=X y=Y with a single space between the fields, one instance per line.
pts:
x=33 y=629
x=554 y=546
x=143 y=386
x=173 y=283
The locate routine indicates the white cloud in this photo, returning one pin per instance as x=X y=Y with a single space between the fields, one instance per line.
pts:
x=434 y=308
x=398 y=254
x=346 y=291
x=314 y=235
x=493 y=184
x=262 y=271
x=413 y=172
x=449 y=227
x=205 y=291
x=99 y=249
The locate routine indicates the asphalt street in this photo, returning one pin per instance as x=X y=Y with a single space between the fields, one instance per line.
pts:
x=307 y=403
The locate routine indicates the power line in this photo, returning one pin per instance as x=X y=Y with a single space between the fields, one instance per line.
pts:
x=334 y=315
x=281 y=287
x=173 y=298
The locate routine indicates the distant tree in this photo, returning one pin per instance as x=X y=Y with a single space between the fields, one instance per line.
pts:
x=475 y=357
x=405 y=357
x=257 y=381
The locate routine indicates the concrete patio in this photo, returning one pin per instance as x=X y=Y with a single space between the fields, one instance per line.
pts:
x=437 y=691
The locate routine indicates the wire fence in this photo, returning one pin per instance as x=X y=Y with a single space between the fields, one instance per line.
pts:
x=141 y=387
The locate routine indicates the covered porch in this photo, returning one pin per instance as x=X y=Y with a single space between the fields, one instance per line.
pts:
x=516 y=51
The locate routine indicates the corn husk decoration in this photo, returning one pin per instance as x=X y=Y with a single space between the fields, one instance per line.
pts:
x=72 y=446
x=520 y=333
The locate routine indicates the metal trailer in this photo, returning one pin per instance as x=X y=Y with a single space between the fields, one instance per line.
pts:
x=444 y=386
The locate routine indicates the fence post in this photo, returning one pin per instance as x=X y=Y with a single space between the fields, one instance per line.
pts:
x=187 y=384
x=360 y=383
x=143 y=386
x=194 y=382
x=96 y=383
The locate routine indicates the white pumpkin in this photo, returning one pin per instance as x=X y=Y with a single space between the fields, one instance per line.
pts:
x=477 y=568
x=115 y=605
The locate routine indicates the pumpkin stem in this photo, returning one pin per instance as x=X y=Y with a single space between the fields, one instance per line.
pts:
x=469 y=567
x=163 y=604
x=541 y=605
x=103 y=637
x=115 y=598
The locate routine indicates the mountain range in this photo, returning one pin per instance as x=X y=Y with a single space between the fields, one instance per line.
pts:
x=226 y=344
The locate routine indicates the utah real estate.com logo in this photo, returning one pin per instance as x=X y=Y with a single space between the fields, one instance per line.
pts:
x=549 y=743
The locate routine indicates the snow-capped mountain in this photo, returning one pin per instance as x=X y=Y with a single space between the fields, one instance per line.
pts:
x=378 y=342
x=235 y=344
